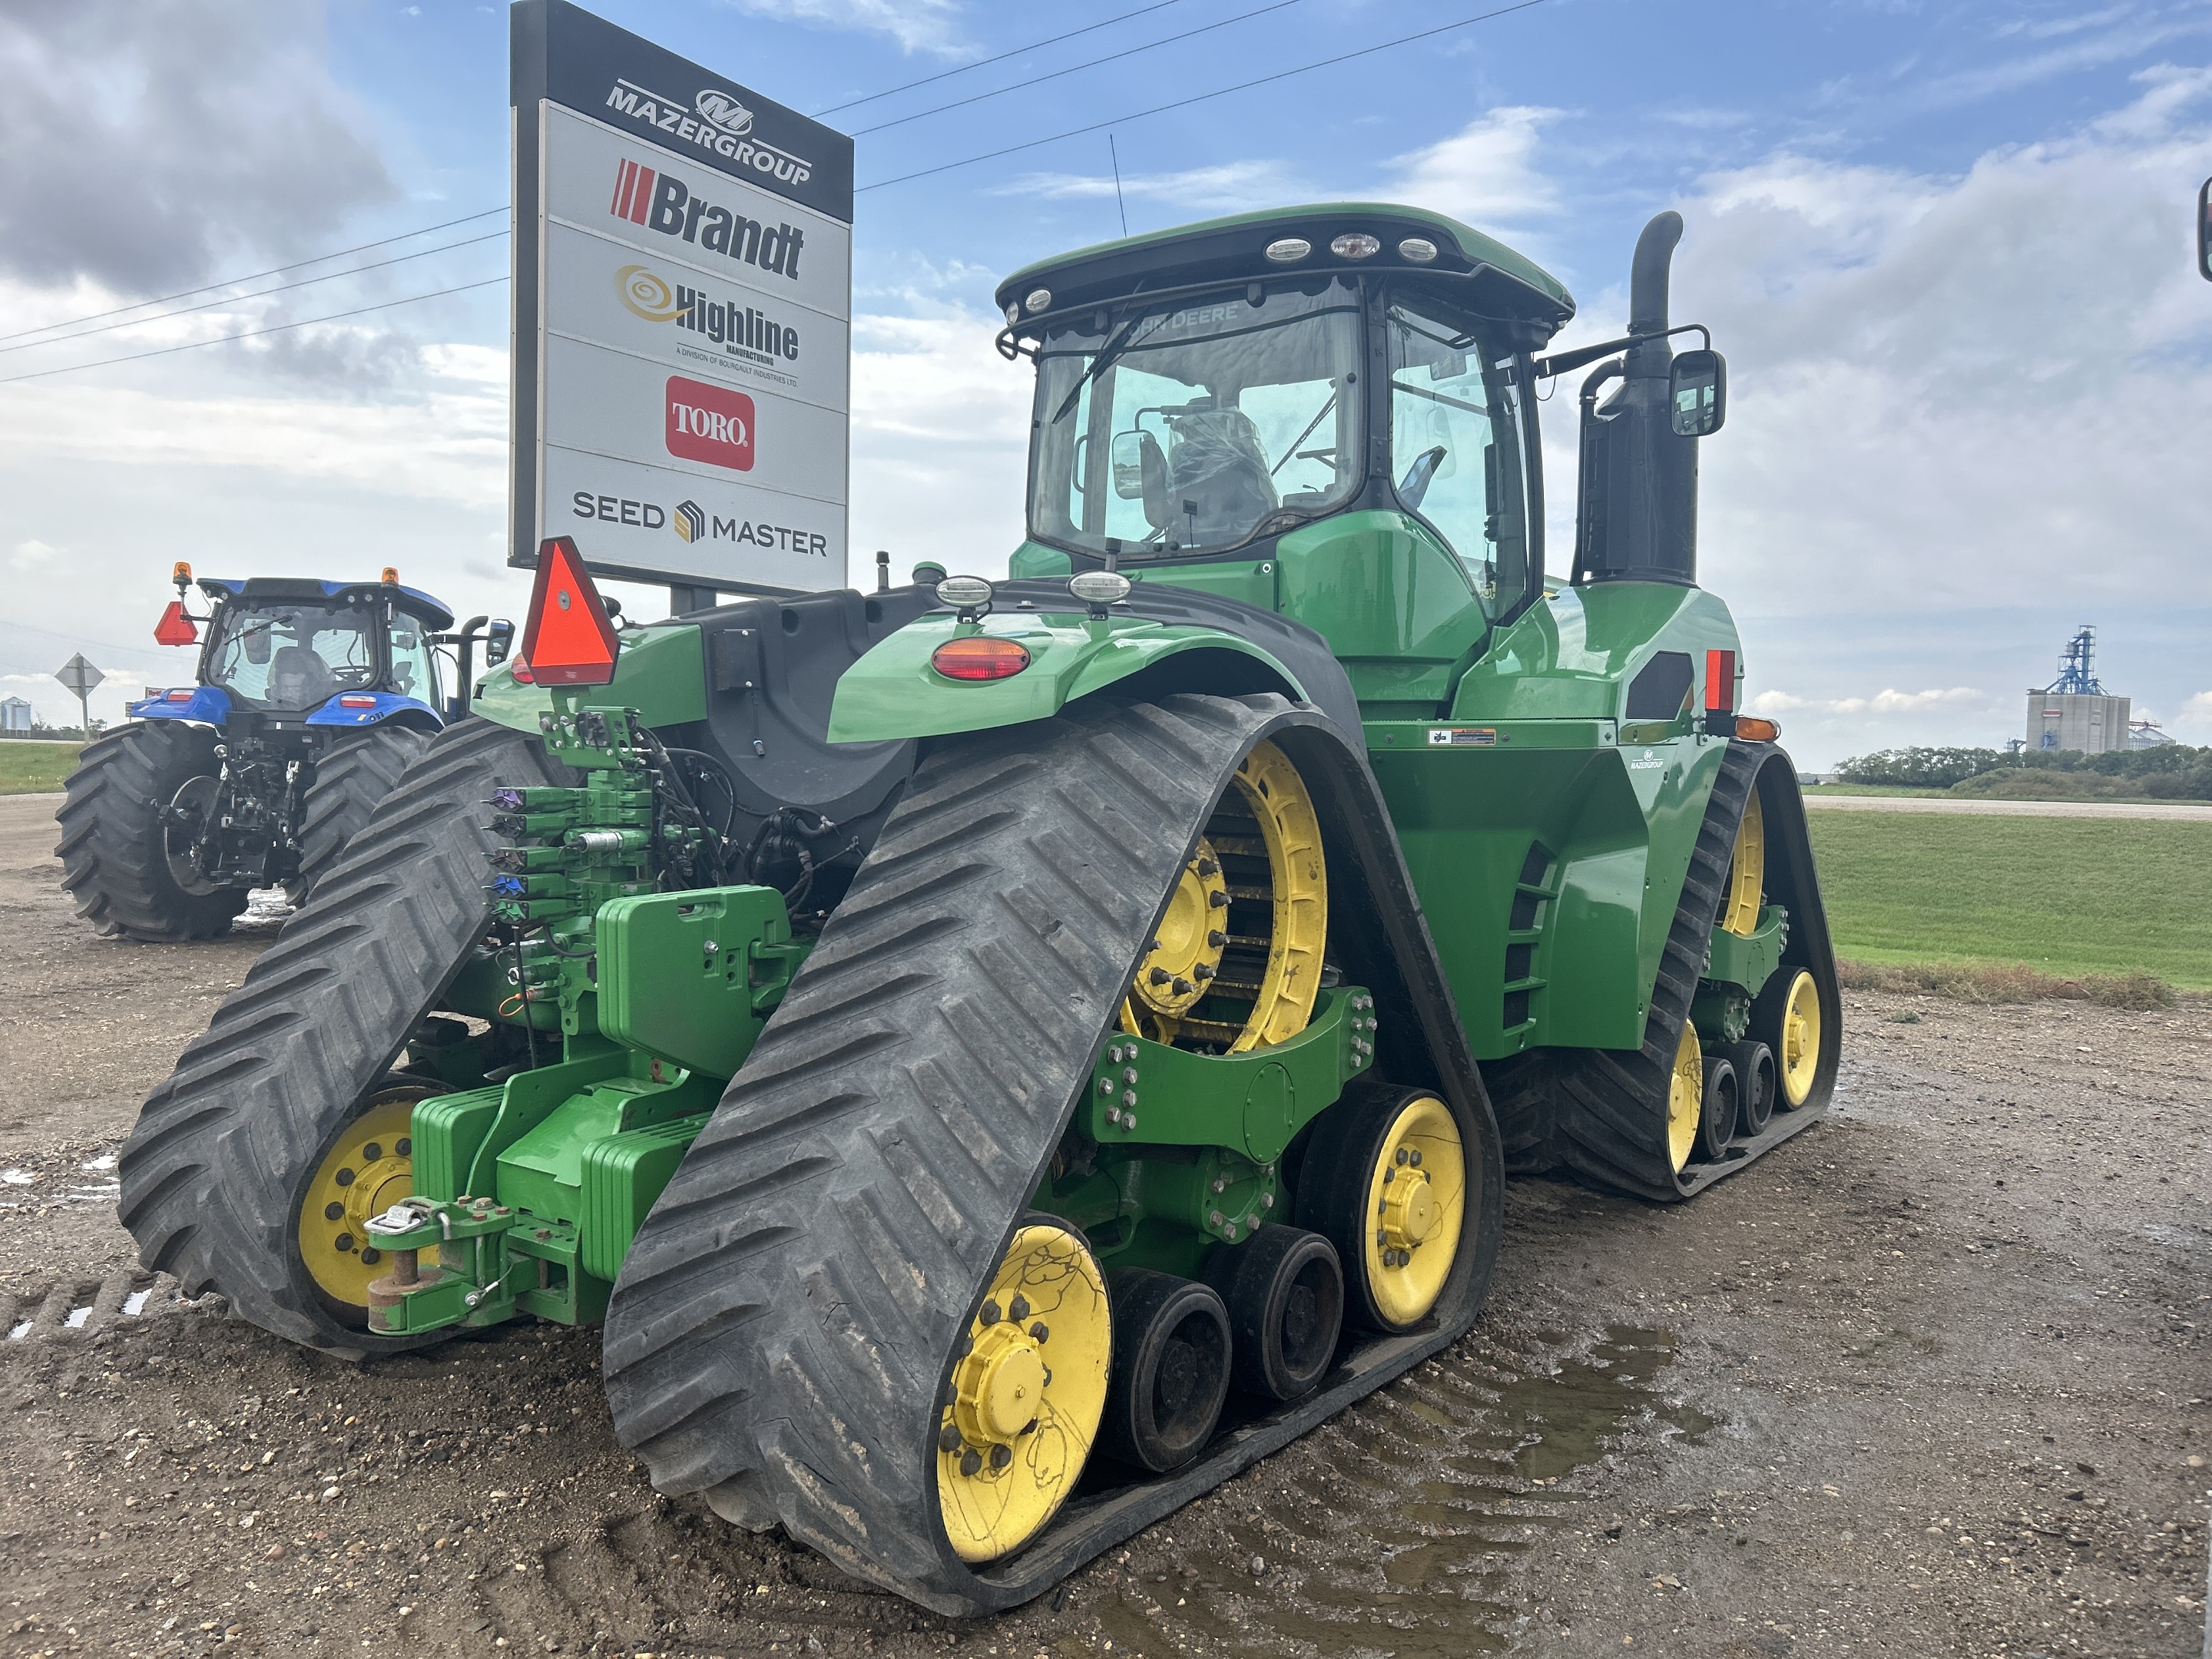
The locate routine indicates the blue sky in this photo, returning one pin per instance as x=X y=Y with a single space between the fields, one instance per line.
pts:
x=1946 y=247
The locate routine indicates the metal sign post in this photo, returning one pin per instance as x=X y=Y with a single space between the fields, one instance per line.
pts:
x=80 y=677
x=682 y=298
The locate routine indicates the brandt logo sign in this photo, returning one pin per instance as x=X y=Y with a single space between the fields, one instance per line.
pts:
x=709 y=423
x=662 y=202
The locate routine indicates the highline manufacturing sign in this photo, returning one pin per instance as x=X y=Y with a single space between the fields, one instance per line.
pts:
x=683 y=304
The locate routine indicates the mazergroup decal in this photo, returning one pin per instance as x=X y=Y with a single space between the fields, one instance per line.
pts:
x=715 y=121
x=709 y=423
x=742 y=329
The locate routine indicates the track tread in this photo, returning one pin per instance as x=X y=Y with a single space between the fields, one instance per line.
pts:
x=210 y=1173
x=1002 y=998
x=354 y=772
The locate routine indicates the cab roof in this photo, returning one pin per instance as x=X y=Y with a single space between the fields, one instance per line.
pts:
x=1471 y=271
x=413 y=600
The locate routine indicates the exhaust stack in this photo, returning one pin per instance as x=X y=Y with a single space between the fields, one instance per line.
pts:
x=1638 y=517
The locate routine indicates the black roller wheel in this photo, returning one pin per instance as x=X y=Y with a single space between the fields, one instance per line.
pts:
x=1717 y=1116
x=1284 y=1292
x=1754 y=1084
x=126 y=864
x=354 y=772
x=1386 y=1183
x=1170 y=1372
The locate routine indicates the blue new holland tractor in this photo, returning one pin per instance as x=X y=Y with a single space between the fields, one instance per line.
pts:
x=311 y=699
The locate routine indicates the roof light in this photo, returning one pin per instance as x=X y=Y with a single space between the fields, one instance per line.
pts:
x=1013 y=313
x=1355 y=245
x=175 y=627
x=1286 y=249
x=356 y=702
x=1418 y=250
x=965 y=593
x=980 y=657
x=1038 y=299
x=1099 y=587
x=391 y=574
x=181 y=572
x=570 y=640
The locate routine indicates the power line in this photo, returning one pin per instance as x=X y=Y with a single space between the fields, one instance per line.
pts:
x=1200 y=98
x=1000 y=58
x=1077 y=69
x=253 y=333
x=255 y=276
x=261 y=293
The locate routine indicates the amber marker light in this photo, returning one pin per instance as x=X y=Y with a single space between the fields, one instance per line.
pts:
x=1758 y=731
x=979 y=657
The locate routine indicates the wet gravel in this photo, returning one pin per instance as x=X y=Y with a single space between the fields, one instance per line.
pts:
x=1931 y=1380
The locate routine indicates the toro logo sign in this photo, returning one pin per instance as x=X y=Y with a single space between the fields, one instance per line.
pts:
x=709 y=423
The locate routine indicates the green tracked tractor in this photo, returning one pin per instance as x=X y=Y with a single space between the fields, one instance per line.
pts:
x=998 y=1059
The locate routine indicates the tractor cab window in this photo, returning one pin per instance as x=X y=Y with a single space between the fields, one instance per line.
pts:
x=1193 y=426
x=293 y=656
x=414 y=671
x=1455 y=452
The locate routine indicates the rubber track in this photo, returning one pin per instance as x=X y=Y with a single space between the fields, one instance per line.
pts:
x=782 y=1325
x=1610 y=1111
x=113 y=862
x=354 y=772
x=211 y=1173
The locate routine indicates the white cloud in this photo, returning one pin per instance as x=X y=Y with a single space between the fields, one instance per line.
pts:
x=930 y=26
x=32 y=554
x=1885 y=701
x=1484 y=174
x=1231 y=187
x=2195 y=717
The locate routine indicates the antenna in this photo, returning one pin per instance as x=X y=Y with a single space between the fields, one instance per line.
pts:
x=1121 y=206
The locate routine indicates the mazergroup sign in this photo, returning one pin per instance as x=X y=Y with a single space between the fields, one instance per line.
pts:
x=683 y=292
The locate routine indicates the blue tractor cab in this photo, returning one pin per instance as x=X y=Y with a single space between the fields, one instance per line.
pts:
x=311 y=699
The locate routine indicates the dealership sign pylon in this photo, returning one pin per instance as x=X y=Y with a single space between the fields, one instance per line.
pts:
x=683 y=305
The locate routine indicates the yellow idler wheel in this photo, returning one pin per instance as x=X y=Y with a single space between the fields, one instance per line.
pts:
x=1027 y=1390
x=1747 y=883
x=1797 y=1045
x=1686 y=1098
x=369 y=1168
x=1386 y=1183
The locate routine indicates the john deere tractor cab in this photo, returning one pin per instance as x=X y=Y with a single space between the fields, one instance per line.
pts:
x=1000 y=1057
x=311 y=699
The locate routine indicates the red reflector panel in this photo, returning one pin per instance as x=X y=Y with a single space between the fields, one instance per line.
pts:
x=569 y=640
x=1720 y=679
x=979 y=657
x=175 y=627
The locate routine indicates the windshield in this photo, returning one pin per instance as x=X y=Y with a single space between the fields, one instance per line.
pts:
x=414 y=669
x=1190 y=428
x=292 y=656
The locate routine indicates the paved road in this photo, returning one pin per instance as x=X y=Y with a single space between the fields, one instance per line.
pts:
x=2185 y=811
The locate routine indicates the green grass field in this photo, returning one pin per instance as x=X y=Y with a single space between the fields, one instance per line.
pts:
x=35 y=768
x=2067 y=896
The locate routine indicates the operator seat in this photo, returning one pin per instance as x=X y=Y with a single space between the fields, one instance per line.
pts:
x=298 y=678
x=1218 y=466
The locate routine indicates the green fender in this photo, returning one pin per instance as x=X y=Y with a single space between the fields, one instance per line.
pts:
x=894 y=692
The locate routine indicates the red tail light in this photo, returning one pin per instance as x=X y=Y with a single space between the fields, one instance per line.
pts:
x=520 y=669
x=979 y=657
x=356 y=702
x=175 y=627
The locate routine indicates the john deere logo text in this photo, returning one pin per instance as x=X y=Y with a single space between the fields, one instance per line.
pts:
x=662 y=202
x=709 y=423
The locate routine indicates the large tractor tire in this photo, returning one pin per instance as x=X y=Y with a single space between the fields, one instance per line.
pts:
x=115 y=845
x=816 y=1325
x=1628 y=1120
x=235 y=1160
x=354 y=772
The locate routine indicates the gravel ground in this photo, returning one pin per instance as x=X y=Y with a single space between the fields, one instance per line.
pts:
x=1931 y=1380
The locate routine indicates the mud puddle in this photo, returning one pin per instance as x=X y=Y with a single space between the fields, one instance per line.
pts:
x=1398 y=1532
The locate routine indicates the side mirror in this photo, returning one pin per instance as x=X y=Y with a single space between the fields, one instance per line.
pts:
x=2205 y=231
x=499 y=639
x=1696 y=393
x=1140 y=472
